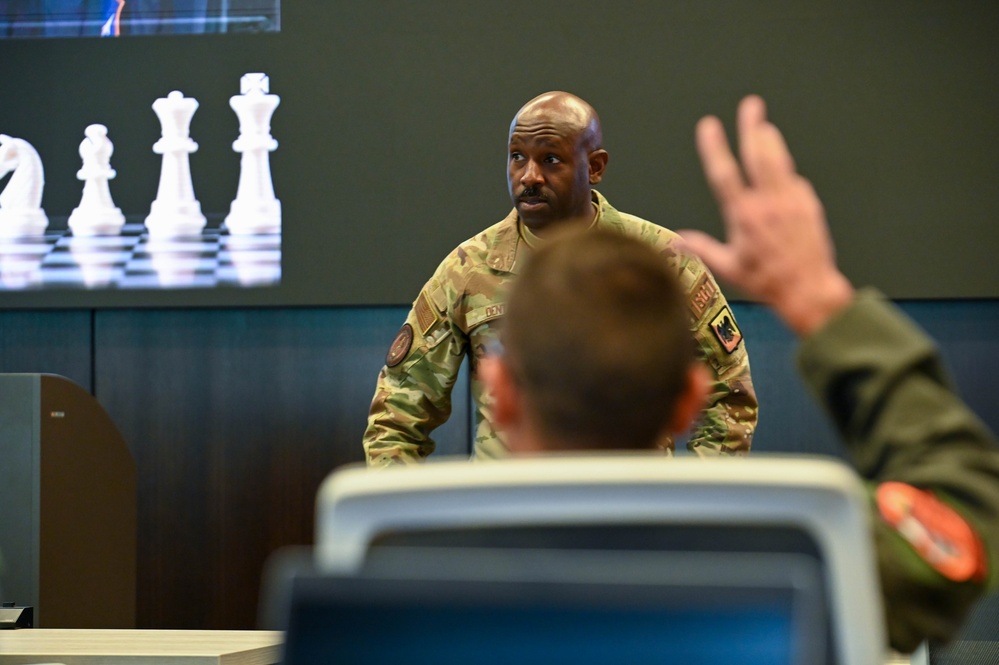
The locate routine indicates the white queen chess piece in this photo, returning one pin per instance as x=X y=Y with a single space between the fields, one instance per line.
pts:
x=175 y=212
x=97 y=214
x=255 y=210
x=21 y=211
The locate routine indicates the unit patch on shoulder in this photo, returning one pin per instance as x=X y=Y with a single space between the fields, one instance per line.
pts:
x=935 y=530
x=702 y=295
x=426 y=315
x=400 y=346
x=726 y=330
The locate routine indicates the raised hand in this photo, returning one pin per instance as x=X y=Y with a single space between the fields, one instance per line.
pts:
x=778 y=248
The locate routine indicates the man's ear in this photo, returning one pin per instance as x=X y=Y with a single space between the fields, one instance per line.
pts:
x=691 y=401
x=500 y=384
x=598 y=163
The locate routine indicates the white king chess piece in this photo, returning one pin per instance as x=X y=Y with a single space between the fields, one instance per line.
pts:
x=175 y=212
x=255 y=210
x=97 y=214
x=21 y=211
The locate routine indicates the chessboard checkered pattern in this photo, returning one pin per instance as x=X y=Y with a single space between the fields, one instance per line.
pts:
x=133 y=260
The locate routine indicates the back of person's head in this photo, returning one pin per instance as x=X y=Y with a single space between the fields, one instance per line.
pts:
x=597 y=340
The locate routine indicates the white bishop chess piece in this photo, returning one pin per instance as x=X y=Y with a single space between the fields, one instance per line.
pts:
x=175 y=212
x=97 y=214
x=255 y=210
x=21 y=211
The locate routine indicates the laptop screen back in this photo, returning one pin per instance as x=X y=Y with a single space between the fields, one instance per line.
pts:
x=492 y=607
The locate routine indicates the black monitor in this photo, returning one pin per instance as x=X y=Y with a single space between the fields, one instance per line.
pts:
x=450 y=606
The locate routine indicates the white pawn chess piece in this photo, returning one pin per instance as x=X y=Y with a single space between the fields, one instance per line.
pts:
x=97 y=214
x=175 y=212
x=21 y=211
x=255 y=210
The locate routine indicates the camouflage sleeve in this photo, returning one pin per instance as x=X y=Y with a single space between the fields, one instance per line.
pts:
x=932 y=464
x=729 y=420
x=413 y=392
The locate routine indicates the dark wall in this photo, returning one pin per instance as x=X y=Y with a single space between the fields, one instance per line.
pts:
x=393 y=121
x=235 y=416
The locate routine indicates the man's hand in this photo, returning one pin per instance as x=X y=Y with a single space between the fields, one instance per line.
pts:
x=778 y=246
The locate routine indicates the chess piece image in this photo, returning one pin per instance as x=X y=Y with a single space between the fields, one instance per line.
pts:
x=175 y=212
x=255 y=210
x=21 y=261
x=97 y=214
x=179 y=262
x=253 y=260
x=21 y=211
x=98 y=268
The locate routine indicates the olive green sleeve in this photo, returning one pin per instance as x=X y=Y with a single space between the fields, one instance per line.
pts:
x=882 y=381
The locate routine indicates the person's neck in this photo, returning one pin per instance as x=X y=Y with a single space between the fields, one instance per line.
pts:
x=524 y=436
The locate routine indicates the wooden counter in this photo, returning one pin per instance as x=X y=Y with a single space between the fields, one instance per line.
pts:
x=139 y=647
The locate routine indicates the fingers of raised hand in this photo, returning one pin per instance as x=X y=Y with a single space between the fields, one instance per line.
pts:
x=720 y=166
x=765 y=156
x=720 y=258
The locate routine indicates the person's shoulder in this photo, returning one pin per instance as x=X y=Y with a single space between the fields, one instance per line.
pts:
x=643 y=226
x=487 y=239
x=639 y=227
x=473 y=254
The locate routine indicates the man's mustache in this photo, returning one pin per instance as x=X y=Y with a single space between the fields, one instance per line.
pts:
x=531 y=193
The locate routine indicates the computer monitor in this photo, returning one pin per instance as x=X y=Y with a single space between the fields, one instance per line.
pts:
x=451 y=606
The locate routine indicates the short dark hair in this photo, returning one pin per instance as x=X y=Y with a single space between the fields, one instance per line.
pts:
x=597 y=338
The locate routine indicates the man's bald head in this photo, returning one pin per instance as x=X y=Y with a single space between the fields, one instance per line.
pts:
x=566 y=110
x=556 y=156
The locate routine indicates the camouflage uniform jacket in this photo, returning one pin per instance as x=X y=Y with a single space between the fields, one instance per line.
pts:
x=933 y=467
x=456 y=314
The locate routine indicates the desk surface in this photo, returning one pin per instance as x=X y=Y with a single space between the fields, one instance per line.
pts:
x=140 y=647
x=159 y=647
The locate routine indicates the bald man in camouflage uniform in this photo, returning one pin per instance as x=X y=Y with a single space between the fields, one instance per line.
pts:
x=556 y=158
